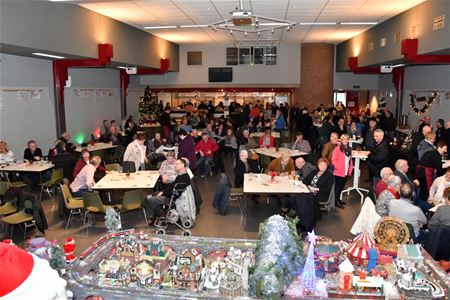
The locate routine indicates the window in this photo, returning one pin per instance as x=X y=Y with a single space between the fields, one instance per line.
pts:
x=232 y=56
x=271 y=55
x=259 y=56
x=245 y=57
x=194 y=58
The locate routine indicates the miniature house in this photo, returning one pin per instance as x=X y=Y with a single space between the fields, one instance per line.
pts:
x=411 y=254
x=346 y=270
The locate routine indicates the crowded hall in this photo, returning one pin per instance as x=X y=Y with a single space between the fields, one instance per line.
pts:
x=224 y=149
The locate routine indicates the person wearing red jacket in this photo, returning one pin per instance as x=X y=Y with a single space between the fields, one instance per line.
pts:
x=206 y=148
x=85 y=157
x=267 y=140
x=341 y=159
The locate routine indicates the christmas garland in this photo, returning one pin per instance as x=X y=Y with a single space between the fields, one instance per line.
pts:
x=427 y=105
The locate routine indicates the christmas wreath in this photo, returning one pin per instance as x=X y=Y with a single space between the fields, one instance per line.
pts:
x=412 y=104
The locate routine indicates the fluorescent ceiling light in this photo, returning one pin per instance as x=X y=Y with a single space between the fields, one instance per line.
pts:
x=48 y=55
x=194 y=26
x=161 y=27
x=275 y=24
x=60 y=0
x=317 y=23
x=358 y=23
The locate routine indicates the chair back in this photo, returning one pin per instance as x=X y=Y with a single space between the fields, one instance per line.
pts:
x=66 y=194
x=412 y=234
x=132 y=199
x=113 y=167
x=128 y=166
x=4 y=186
x=57 y=175
x=92 y=202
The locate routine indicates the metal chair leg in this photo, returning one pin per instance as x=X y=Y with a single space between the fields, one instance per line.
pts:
x=145 y=215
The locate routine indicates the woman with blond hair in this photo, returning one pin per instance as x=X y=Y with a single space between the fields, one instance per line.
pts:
x=6 y=155
x=341 y=159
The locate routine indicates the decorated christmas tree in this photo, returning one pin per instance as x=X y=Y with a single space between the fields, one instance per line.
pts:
x=57 y=259
x=148 y=105
x=308 y=282
x=112 y=220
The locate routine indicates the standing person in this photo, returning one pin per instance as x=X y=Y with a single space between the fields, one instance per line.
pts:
x=369 y=141
x=341 y=160
x=166 y=123
x=427 y=144
x=84 y=181
x=32 y=152
x=440 y=128
x=378 y=157
x=186 y=148
x=279 y=122
x=325 y=130
x=230 y=143
x=129 y=132
x=135 y=152
x=206 y=148
x=445 y=136
x=328 y=148
x=340 y=127
x=305 y=123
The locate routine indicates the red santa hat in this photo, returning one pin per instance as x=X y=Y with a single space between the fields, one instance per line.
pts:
x=16 y=265
x=22 y=274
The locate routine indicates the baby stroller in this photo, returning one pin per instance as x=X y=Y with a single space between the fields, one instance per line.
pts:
x=180 y=212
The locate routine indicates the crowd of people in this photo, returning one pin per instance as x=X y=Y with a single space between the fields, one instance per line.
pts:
x=203 y=142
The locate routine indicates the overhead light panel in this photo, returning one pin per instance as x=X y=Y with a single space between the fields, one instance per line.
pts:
x=317 y=23
x=358 y=23
x=161 y=27
x=194 y=26
x=48 y=55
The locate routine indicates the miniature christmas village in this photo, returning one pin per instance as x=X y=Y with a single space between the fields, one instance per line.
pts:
x=279 y=265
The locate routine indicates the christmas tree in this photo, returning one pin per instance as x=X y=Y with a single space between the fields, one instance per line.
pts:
x=148 y=106
x=308 y=282
x=112 y=220
x=57 y=259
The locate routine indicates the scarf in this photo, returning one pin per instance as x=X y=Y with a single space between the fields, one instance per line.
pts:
x=347 y=150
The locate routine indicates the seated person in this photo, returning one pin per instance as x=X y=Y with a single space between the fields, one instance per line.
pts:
x=167 y=169
x=267 y=140
x=304 y=168
x=85 y=160
x=185 y=124
x=244 y=165
x=63 y=159
x=405 y=210
x=206 y=148
x=320 y=182
x=112 y=136
x=196 y=135
x=6 y=155
x=219 y=136
x=441 y=217
x=246 y=142
x=300 y=144
x=382 y=205
x=155 y=142
x=209 y=131
x=381 y=185
x=283 y=166
x=32 y=152
x=65 y=138
x=154 y=203
x=440 y=184
x=85 y=178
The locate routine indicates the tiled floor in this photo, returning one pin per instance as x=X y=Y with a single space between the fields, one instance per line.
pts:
x=209 y=223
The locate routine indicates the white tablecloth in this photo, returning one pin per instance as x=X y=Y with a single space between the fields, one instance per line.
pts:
x=274 y=134
x=26 y=167
x=96 y=146
x=138 y=180
x=262 y=184
x=275 y=154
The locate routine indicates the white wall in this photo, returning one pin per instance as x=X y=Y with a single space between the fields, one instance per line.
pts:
x=347 y=81
x=23 y=117
x=428 y=78
x=135 y=91
x=93 y=97
x=285 y=73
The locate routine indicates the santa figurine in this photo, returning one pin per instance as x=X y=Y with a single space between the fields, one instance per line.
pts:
x=69 y=249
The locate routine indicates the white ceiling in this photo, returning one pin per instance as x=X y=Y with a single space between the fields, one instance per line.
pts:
x=140 y=13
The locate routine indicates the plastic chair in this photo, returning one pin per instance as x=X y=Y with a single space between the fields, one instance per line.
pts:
x=133 y=200
x=113 y=167
x=16 y=184
x=4 y=186
x=57 y=176
x=326 y=206
x=237 y=194
x=128 y=166
x=74 y=205
x=21 y=217
x=93 y=204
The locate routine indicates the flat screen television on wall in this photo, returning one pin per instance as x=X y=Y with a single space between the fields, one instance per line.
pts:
x=221 y=74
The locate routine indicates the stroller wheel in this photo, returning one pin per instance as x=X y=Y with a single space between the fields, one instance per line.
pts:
x=160 y=232
x=186 y=233
x=187 y=224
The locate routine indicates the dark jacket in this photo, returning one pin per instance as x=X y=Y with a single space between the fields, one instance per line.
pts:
x=222 y=194
x=186 y=148
x=66 y=161
x=378 y=158
x=240 y=170
x=432 y=159
x=182 y=181
x=30 y=156
x=405 y=179
x=325 y=183
x=305 y=171
x=109 y=138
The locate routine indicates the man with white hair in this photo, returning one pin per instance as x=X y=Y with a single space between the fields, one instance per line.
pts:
x=303 y=168
x=382 y=205
x=401 y=170
x=378 y=157
x=381 y=185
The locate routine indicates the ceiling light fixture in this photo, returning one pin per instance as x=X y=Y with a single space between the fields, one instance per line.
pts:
x=193 y=26
x=48 y=55
x=161 y=27
x=317 y=23
x=358 y=23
